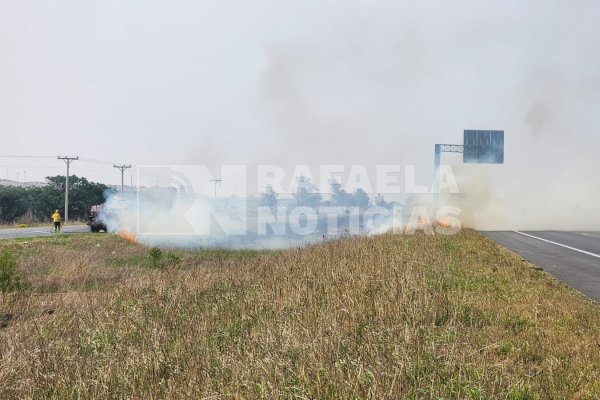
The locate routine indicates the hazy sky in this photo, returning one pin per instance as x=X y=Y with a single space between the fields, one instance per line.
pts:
x=309 y=82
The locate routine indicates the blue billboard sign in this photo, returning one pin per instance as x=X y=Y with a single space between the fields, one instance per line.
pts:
x=483 y=147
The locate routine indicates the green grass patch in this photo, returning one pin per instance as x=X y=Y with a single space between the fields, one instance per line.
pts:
x=9 y=276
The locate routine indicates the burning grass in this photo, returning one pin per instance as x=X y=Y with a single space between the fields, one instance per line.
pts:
x=382 y=317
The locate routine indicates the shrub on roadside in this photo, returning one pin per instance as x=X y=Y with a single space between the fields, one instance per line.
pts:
x=9 y=277
x=161 y=260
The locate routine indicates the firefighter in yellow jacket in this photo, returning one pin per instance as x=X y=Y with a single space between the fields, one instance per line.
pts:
x=56 y=219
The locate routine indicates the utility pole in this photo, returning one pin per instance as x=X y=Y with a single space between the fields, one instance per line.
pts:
x=216 y=181
x=122 y=168
x=68 y=161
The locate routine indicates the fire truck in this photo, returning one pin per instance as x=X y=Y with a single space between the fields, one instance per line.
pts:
x=95 y=220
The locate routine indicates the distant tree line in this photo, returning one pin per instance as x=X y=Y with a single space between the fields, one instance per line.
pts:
x=306 y=194
x=28 y=204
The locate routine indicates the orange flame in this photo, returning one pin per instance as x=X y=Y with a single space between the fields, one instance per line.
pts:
x=444 y=224
x=128 y=235
x=447 y=223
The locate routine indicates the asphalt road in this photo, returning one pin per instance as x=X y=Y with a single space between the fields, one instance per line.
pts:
x=571 y=257
x=40 y=231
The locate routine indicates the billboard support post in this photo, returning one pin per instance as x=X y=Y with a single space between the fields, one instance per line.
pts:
x=479 y=146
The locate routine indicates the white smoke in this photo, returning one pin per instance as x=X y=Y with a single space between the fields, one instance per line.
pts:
x=358 y=82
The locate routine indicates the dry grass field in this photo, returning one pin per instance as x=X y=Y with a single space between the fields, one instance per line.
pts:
x=93 y=316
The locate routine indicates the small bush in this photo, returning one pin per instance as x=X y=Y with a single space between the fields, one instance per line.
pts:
x=9 y=278
x=161 y=260
x=505 y=348
x=155 y=257
x=173 y=259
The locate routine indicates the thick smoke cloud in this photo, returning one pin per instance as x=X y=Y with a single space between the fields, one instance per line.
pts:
x=383 y=84
x=377 y=83
x=328 y=82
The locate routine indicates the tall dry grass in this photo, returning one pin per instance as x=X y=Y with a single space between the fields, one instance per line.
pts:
x=383 y=317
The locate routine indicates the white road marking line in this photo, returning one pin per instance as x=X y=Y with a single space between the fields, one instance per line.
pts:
x=559 y=244
x=585 y=234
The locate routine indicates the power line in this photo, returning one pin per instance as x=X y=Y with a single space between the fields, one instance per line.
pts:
x=82 y=159
x=107 y=172
x=28 y=166
x=20 y=156
x=94 y=161
x=122 y=168
x=68 y=161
